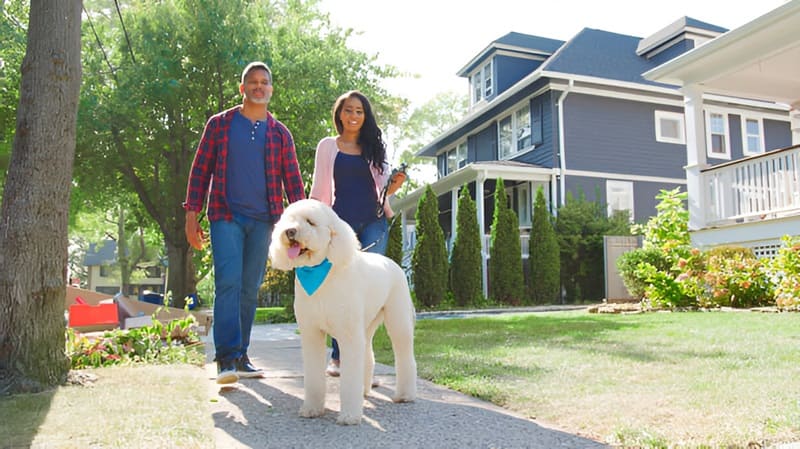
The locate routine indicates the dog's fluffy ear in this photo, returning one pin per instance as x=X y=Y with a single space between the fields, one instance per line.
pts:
x=344 y=243
x=278 y=255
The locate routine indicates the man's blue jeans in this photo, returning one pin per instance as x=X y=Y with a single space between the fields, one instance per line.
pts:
x=374 y=238
x=239 y=248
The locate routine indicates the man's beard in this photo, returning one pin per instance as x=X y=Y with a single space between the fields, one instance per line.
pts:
x=263 y=100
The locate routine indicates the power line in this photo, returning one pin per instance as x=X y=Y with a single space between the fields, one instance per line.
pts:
x=127 y=39
x=99 y=44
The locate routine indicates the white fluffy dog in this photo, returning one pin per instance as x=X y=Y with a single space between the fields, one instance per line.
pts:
x=347 y=293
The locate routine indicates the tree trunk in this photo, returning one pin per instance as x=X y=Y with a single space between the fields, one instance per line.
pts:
x=181 y=280
x=33 y=217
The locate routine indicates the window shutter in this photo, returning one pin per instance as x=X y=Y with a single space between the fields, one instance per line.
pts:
x=536 y=122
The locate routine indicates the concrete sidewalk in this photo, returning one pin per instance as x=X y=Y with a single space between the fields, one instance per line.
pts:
x=263 y=413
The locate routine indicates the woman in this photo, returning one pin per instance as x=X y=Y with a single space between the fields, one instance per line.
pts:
x=351 y=174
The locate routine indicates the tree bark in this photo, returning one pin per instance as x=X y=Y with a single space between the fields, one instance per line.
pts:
x=34 y=213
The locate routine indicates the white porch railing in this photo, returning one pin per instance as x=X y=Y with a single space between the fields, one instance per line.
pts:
x=754 y=188
x=410 y=241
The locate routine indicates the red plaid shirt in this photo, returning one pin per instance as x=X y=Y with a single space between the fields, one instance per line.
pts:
x=210 y=166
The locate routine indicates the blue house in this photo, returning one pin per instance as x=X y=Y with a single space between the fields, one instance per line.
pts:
x=578 y=116
x=753 y=200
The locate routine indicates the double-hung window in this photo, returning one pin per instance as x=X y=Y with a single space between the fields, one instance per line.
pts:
x=482 y=83
x=461 y=155
x=752 y=135
x=487 y=80
x=718 y=140
x=514 y=132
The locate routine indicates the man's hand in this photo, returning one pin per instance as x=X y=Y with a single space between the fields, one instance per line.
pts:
x=398 y=178
x=194 y=232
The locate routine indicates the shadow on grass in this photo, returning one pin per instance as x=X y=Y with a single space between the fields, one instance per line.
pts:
x=439 y=418
x=21 y=416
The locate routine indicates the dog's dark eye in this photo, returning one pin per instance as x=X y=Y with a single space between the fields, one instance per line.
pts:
x=311 y=223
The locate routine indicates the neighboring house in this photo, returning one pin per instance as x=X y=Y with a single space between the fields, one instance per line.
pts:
x=578 y=116
x=753 y=200
x=104 y=272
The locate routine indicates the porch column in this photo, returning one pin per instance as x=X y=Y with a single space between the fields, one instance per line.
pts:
x=453 y=221
x=695 y=155
x=794 y=114
x=482 y=232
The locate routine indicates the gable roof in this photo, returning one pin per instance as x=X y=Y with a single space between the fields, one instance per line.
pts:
x=675 y=29
x=516 y=42
x=606 y=57
x=101 y=254
x=760 y=59
x=614 y=56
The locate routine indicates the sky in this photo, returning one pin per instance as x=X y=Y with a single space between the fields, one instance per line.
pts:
x=434 y=39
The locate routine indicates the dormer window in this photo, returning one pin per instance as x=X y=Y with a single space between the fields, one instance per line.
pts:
x=482 y=83
x=487 y=80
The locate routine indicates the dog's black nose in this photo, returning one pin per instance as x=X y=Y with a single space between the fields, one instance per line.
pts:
x=290 y=233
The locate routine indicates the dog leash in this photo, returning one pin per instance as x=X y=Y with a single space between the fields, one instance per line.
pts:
x=401 y=169
x=380 y=211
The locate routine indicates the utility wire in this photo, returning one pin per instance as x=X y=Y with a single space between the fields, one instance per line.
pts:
x=99 y=44
x=127 y=39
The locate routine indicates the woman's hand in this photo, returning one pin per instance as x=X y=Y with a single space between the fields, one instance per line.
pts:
x=398 y=178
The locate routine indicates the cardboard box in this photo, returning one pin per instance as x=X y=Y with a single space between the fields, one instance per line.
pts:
x=88 y=296
x=89 y=318
x=133 y=313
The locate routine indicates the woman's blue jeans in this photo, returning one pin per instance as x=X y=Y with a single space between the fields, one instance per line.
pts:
x=374 y=238
x=239 y=248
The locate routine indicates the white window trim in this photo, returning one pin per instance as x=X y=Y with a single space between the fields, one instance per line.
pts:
x=459 y=158
x=761 y=144
x=667 y=115
x=476 y=87
x=478 y=91
x=450 y=153
x=487 y=90
x=627 y=187
x=514 y=128
x=725 y=122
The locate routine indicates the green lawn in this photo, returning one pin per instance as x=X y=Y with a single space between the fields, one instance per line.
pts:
x=692 y=379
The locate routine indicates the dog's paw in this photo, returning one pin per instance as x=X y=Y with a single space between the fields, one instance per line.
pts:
x=311 y=412
x=403 y=398
x=348 y=420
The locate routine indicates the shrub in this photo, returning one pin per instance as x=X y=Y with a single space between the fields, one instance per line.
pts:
x=633 y=277
x=394 y=247
x=429 y=260
x=786 y=273
x=506 y=280
x=544 y=260
x=735 y=278
x=466 y=279
x=580 y=227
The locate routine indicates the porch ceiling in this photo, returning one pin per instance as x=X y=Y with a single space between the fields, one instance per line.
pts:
x=759 y=60
x=509 y=171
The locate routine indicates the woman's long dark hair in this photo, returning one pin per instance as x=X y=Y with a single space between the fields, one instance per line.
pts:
x=370 y=138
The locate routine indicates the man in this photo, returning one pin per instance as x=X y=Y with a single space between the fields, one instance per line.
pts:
x=246 y=159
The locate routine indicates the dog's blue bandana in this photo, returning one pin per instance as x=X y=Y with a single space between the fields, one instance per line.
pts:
x=312 y=277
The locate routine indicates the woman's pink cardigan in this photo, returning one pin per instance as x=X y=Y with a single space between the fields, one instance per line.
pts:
x=322 y=187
